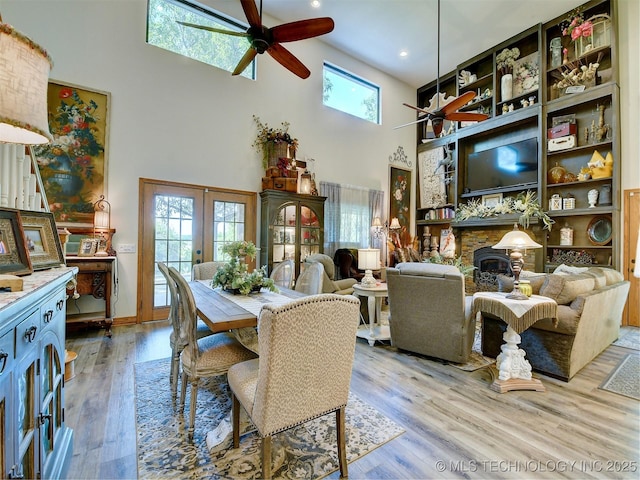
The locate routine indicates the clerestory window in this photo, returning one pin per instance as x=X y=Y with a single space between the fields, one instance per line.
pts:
x=351 y=94
x=217 y=49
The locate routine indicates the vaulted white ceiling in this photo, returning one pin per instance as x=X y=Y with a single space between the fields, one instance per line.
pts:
x=375 y=31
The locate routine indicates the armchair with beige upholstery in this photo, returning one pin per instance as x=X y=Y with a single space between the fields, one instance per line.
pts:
x=330 y=284
x=304 y=370
x=428 y=311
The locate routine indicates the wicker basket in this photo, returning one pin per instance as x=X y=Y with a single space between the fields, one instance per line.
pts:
x=275 y=150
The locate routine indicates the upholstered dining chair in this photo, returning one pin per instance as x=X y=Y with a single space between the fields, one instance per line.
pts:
x=283 y=273
x=205 y=270
x=311 y=279
x=177 y=339
x=206 y=357
x=304 y=370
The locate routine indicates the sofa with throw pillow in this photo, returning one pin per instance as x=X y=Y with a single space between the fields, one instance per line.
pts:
x=590 y=304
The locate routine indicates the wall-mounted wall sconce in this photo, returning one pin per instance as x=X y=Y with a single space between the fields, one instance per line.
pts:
x=24 y=75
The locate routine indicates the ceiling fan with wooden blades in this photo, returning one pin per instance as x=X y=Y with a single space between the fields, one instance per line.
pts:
x=437 y=114
x=264 y=39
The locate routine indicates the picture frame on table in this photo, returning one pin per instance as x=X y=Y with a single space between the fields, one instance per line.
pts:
x=79 y=123
x=41 y=239
x=491 y=200
x=87 y=247
x=14 y=259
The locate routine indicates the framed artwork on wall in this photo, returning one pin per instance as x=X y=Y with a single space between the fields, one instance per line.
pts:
x=14 y=259
x=73 y=166
x=400 y=196
x=41 y=239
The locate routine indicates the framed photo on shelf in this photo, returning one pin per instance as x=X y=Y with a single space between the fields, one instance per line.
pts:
x=491 y=200
x=400 y=196
x=87 y=247
x=79 y=123
x=14 y=259
x=42 y=240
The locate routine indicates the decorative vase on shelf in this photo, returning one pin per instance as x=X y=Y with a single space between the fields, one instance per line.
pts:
x=506 y=87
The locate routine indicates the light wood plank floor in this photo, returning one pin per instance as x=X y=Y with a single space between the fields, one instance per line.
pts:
x=455 y=425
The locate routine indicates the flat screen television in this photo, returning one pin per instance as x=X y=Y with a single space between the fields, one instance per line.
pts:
x=515 y=164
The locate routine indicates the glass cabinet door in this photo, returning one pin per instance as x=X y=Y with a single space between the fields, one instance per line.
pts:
x=309 y=232
x=284 y=234
x=26 y=418
x=51 y=400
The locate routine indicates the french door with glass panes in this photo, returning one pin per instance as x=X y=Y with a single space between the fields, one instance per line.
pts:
x=182 y=225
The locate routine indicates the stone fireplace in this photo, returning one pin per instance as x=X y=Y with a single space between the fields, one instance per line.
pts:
x=476 y=243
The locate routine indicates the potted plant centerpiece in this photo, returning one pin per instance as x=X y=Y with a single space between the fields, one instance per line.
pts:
x=234 y=276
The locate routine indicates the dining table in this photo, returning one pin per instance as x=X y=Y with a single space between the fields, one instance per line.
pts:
x=223 y=311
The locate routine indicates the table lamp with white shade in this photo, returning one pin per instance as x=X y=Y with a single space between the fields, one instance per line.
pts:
x=368 y=260
x=518 y=242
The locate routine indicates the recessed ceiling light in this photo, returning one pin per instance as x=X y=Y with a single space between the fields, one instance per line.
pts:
x=404 y=53
x=315 y=3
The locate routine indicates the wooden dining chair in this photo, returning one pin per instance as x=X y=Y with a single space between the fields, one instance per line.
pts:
x=283 y=273
x=310 y=280
x=304 y=370
x=205 y=357
x=177 y=339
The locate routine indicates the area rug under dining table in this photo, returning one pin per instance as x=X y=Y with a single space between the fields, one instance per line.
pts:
x=307 y=451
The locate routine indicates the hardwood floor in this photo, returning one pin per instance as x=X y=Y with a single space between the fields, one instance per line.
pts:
x=455 y=425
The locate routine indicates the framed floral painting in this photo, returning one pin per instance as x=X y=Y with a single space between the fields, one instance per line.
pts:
x=400 y=196
x=73 y=166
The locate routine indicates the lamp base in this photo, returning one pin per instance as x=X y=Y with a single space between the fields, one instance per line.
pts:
x=517 y=295
x=368 y=281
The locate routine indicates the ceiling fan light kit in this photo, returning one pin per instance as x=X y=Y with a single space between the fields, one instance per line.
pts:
x=264 y=39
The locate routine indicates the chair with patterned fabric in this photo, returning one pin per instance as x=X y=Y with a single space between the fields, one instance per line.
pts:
x=206 y=357
x=304 y=370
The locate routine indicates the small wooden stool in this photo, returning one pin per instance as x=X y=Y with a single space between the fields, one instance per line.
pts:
x=69 y=365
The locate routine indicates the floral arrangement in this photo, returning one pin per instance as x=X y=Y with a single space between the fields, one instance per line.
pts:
x=268 y=137
x=506 y=58
x=525 y=203
x=576 y=26
x=234 y=275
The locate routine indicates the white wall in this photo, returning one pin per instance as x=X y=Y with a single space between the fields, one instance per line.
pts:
x=177 y=119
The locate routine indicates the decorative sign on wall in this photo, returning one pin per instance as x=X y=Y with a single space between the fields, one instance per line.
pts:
x=431 y=171
x=400 y=157
x=74 y=165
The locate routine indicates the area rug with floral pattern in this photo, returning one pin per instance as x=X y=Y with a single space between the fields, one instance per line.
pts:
x=307 y=451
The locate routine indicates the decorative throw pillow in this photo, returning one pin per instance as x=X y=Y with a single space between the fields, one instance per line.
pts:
x=612 y=276
x=599 y=276
x=505 y=283
x=563 y=269
x=565 y=288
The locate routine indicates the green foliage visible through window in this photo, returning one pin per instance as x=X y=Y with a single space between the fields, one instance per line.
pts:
x=351 y=94
x=217 y=49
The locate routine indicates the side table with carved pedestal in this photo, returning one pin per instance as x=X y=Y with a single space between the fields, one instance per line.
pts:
x=514 y=371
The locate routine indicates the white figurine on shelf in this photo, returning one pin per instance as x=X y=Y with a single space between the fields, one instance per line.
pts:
x=592 y=196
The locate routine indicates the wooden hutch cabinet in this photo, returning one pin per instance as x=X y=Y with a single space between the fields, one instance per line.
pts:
x=291 y=227
x=539 y=101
